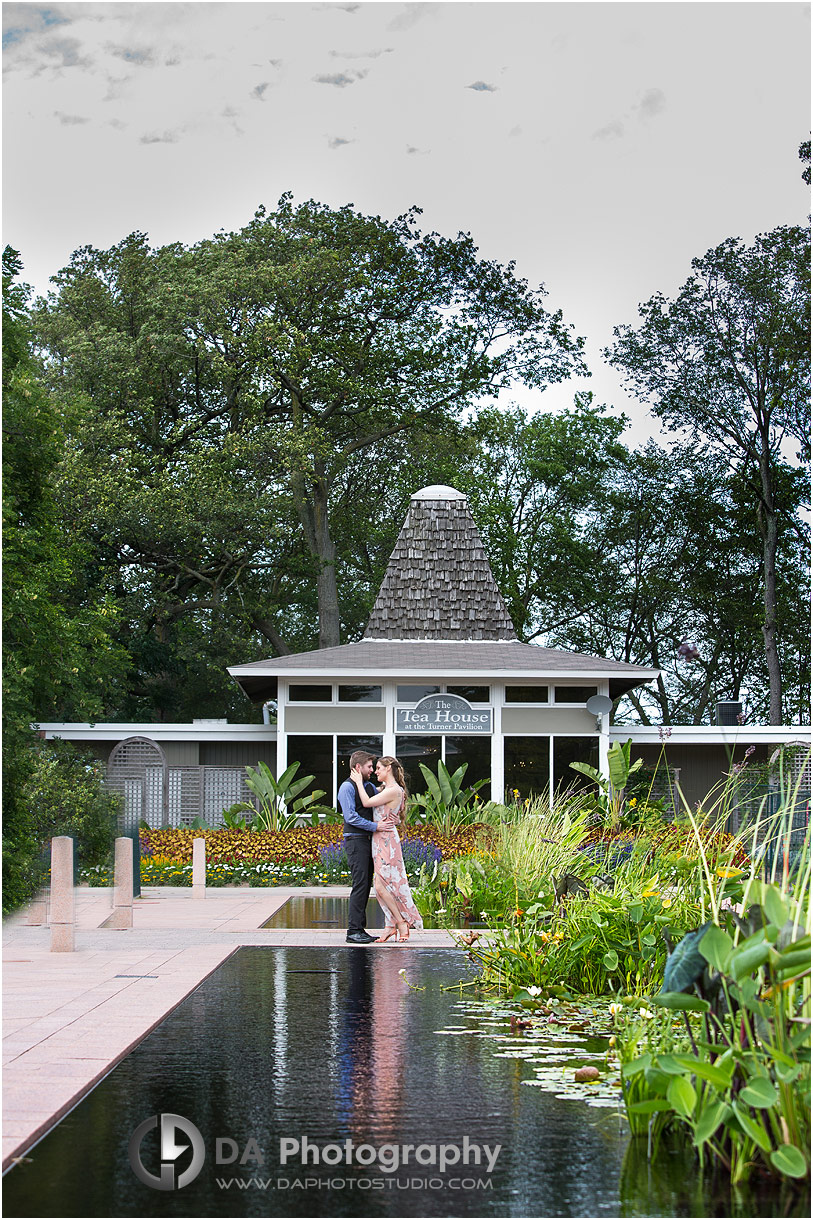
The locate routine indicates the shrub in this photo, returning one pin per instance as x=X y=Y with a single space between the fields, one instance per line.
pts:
x=66 y=795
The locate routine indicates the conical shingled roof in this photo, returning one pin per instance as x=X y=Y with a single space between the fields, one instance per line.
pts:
x=439 y=584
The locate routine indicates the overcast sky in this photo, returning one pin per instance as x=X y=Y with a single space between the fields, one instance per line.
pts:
x=600 y=145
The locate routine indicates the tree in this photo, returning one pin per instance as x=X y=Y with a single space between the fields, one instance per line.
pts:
x=728 y=362
x=58 y=648
x=305 y=340
x=537 y=485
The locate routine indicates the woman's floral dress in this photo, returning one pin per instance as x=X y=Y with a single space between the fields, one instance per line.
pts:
x=388 y=862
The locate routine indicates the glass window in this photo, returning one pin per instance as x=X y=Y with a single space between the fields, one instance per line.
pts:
x=526 y=694
x=527 y=766
x=413 y=749
x=476 y=751
x=315 y=757
x=359 y=694
x=310 y=694
x=411 y=694
x=573 y=694
x=473 y=694
x=573 y=749
x=345 y=746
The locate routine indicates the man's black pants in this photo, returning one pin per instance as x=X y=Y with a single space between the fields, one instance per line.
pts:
x=360 y=858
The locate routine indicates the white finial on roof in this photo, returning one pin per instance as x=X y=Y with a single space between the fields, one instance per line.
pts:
x=437 y=492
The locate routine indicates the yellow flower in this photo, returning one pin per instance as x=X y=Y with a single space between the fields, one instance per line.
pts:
x=666 y=902
x=650 y=894
x=729 y=872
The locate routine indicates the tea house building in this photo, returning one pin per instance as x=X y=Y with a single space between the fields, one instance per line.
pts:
x=440 y=674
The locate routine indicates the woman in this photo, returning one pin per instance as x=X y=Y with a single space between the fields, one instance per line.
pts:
x=389 y=879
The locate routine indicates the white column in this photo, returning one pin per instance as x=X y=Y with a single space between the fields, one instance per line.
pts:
x=497 y=746
x=282 y=736
x=604 y=734
x=388 y=694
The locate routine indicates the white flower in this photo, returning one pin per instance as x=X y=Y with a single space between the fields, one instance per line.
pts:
x=646 y=1014
x=615 y=1009
x=534 y=990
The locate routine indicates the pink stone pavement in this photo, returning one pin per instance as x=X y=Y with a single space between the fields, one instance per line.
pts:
x=68 y=1018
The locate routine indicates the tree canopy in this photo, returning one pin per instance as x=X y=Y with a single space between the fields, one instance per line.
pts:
x=221 y=442
x=728 y=362
x=268 y=360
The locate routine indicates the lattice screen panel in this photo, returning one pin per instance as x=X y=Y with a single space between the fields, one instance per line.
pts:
x=137 y=769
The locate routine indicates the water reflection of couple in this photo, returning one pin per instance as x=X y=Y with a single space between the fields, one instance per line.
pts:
x=374 y=847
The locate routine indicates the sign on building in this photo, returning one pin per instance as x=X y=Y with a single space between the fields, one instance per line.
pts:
x=443 y=714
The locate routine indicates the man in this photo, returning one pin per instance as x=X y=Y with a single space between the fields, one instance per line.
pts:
x=358 y=833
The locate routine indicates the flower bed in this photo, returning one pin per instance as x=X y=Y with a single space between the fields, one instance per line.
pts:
x=308 y=855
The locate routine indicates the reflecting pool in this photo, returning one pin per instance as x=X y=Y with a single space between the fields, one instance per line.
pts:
x=329 y=912
x=333 y=1056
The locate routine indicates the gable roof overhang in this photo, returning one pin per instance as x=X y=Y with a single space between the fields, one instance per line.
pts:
x=374 y=660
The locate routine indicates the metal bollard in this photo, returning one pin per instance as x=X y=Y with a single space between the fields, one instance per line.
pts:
x=63 y=909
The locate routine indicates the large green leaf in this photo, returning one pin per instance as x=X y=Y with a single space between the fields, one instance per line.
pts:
x=759 y=1093
x=590 y=772
x=750 y=957
x=716 y=947
x=751 y=1127
x=686 y=963
x=431 y=783
x=679 y=1001
x=618 y=765
x=653 y=1106
x=711 y=1117
x=789 y=1160
x=719 y=1074
x=446 y=789
x=681 y=1095
x=775 y=906
x=286 y=777
x=293 y=790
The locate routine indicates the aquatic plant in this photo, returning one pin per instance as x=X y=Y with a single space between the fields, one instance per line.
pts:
x=740 y=1087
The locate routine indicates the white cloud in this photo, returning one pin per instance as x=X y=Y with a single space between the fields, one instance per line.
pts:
x=601 y=162
x=611 y=131
x=340 y=79
x=651 y=104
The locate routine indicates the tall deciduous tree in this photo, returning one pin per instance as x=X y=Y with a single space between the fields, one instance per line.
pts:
x=58 y=650
x=728 y=361
x=312 y=335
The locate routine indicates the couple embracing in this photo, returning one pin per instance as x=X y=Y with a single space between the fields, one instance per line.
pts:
x=374 y=847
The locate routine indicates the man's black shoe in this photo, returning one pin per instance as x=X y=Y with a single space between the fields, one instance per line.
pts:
x=360 y=938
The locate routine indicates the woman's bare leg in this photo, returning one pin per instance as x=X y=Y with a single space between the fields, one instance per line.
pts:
x=386 y=899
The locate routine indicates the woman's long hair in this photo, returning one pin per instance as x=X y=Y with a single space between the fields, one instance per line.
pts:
x=398 y=775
